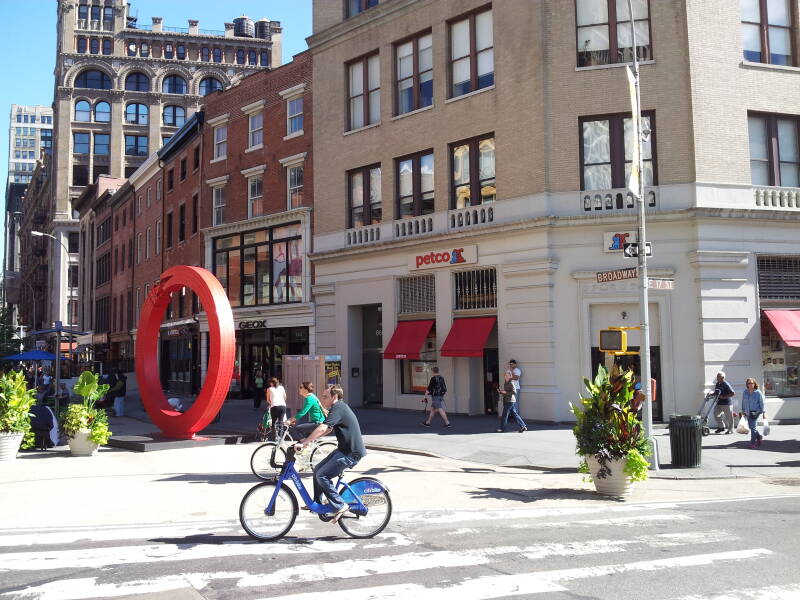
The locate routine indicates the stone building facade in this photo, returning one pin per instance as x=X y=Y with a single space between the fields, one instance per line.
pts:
x=474 y=184
x=123 y=88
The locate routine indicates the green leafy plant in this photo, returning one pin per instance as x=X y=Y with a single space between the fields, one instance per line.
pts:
x=84 y=416
x=608 y=426
x=16 y=401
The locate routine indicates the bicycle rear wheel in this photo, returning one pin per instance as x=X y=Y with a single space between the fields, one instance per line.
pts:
x=253 y=512
x=321 y=452
x=374 y=495
x=261 y=461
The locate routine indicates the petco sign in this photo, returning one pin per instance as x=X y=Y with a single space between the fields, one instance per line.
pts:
x=443 y=258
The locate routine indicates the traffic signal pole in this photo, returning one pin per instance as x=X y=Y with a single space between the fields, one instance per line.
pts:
x=644 y=349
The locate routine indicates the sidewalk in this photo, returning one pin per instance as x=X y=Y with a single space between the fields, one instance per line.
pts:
x=542 y=447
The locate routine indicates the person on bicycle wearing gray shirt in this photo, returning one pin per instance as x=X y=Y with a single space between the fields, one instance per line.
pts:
x=344 y=424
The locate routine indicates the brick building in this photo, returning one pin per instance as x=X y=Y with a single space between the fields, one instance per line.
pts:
x=256 y=215
x=498 y=135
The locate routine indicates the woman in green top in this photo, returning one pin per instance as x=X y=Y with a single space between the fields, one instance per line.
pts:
x=312 y=408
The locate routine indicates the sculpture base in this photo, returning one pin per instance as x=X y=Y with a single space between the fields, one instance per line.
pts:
x=157 y=441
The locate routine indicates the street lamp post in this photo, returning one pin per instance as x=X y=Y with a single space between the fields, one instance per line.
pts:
x=637 y=182
x=58 y=328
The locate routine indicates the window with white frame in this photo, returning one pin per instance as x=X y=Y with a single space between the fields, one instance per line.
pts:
x=158 y=237
x=138 y=248
x=294 y=177
x=255 y=199
x=256 y=129
x=147 y=244
x=158 y=191
x=220 y=141
x=219 y=205
x=149 y=203
x=294 y=115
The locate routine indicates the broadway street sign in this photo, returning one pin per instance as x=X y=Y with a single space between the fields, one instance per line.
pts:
x=618 y=275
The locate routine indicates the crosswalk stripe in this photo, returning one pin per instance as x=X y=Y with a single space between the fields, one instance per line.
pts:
x=488 y=587
x=116 y=555
x=767 y=592
x=384 y=565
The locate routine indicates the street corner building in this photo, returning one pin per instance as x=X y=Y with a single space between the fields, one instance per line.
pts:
x=474 y=184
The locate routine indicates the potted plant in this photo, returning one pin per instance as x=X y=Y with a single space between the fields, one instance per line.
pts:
x=609 y=436
x=15 y=421
x=86 y=426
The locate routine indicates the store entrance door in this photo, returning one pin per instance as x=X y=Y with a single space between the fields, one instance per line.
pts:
x=371 y=359
x=491 y=374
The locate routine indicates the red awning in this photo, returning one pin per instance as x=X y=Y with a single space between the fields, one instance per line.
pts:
x=407 y=339
x=467 y=337
x=787 y=323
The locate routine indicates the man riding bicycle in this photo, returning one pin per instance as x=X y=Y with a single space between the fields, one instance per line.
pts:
x=344 y=423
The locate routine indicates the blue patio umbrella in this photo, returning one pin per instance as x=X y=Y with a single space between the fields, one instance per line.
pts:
x=31 y=355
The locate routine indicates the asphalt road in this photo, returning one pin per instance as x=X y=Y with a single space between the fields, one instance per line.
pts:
x=735 y=549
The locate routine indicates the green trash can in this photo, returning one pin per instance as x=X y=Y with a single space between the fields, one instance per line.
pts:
x=685 y=440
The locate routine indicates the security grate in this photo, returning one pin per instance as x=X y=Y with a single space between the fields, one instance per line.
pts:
x=417 y=294
x=476 y=289
x=779 y=277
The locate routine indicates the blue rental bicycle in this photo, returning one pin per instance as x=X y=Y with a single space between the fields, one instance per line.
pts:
x=269 y=509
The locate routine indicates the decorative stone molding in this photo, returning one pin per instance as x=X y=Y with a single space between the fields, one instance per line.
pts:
x=291 y=161
x=293 y=92
x=257 y=170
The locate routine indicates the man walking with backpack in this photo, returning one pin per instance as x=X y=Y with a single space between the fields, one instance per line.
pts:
x=437 y=388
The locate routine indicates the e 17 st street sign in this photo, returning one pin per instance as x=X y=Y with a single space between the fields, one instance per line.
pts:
x=631 y=249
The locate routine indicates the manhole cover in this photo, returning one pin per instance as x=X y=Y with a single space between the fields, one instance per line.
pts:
x=794 y=481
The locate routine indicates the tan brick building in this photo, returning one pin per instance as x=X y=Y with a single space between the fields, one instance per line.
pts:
x=474 y=183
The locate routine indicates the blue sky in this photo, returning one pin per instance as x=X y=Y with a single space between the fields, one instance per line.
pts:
x=30 y=38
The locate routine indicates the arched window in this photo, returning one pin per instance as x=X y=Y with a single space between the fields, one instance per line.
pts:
x=217 y=55
x=205 y=54
x=108 y=14
x=181 y=52
x=208 y=85
x=265 y=59
x=83 y=11
x=83 y=111
x=136 y=114
x=131 y=48
x=107 y=47
x=168 y=51
x=95 y=13
x=94 y=45
x=252 y=58
x=102 y=112
x=144 y=49
x=137 y=82
x=240 y=57
x=81 y=45
x=173 y=84
x=174 y=115
x=92 y=79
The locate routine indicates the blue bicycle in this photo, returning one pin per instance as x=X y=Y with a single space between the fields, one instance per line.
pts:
x=269 y=509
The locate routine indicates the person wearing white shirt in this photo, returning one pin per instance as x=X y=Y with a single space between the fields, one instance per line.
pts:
x=516 y=377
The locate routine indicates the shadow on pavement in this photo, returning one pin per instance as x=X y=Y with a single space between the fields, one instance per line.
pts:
x=527 y=496
x=768 y=445
x=214 y=478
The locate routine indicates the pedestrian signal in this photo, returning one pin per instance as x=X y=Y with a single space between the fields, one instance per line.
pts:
x=613 y=340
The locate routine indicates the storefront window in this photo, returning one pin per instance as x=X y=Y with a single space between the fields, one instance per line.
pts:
x=781 y=363
x=415 y=373
x=261 y=267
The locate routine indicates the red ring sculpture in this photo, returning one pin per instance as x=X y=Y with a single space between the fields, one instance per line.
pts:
x=222 y=351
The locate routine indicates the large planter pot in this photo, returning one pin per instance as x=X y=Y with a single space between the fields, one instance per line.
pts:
x=9 y=444
x=81 y=445
x=615 y=484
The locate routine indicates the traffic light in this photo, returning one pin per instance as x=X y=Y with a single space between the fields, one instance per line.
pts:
x=613 y=340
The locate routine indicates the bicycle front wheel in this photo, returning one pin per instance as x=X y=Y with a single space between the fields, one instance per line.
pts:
x=253 y=512
x=321 y=452
x=261 y=461
x=374 y=495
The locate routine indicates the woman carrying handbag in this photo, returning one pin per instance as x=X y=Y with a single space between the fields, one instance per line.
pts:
x=752 y=408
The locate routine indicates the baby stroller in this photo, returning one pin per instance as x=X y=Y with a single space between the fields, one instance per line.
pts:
x=709 y=402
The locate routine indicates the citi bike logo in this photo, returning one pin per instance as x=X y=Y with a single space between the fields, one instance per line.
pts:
x=454 y=257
